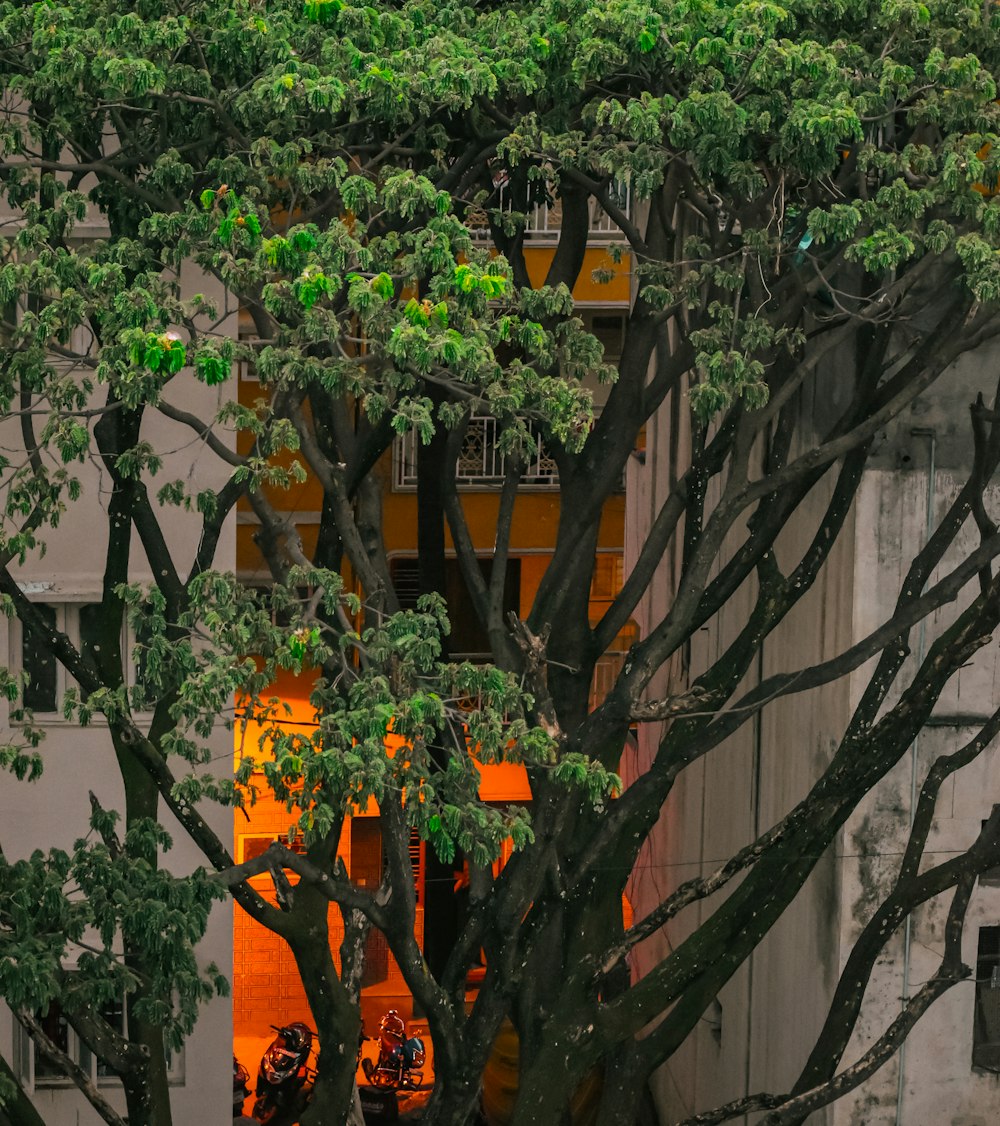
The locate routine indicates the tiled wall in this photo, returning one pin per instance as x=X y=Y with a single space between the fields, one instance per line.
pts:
x=266 y=985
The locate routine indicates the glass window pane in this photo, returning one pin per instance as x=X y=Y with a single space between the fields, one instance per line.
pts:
x=55 y=1027
x=144 y=673
x=39 y=667
x=114 y=1014
x=986 y=1022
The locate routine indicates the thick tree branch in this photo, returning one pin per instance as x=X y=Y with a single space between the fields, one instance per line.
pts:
x=70 y=1068
x=336 y=887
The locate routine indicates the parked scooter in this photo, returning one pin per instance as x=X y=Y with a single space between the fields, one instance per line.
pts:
x=241 y=1086
x=241 y=1092
x=399 y=1057
x=284 y=1078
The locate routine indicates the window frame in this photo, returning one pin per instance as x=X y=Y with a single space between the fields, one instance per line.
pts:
x=67 y=621
x=26 y=1054
x=454 y=579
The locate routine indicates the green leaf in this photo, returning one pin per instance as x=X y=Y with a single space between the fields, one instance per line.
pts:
x=382 y=285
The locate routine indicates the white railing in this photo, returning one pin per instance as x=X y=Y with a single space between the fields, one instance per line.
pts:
x=544 y=221
x=480 y=462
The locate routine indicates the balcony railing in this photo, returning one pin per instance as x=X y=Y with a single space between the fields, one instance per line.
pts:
x=480 y=463
x=544 y=221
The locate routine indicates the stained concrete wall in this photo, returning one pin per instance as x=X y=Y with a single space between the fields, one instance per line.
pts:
x=918 y=468
x=54 y=811
x=753 y=1038
x=939 y=1082
x=756 y=1037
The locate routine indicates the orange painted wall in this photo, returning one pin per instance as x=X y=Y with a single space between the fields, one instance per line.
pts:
x=267 y=989
x=534 y=527
x=618 y=291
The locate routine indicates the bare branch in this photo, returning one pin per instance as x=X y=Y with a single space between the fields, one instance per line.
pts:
x=336 y=888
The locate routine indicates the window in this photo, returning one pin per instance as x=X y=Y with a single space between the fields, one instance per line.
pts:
x=54 y=1025
x=252 y=845
x=367 y=861
x=468 y=640
x=46 y=679
x=40 y=668
x=37 y=1070
x=608 y=325
x=481 y=463
x=142 y=693
x=114 y=1014
x=986 y=1025
x=543 y=220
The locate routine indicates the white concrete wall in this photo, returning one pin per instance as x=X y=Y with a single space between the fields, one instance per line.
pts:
x=54 y=812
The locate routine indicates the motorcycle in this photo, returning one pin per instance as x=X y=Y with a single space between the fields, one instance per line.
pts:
x=284 y=1078
x=399 y=1057
x=241 y=1089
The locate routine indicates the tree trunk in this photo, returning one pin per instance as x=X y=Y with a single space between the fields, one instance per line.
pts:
x=624 y=1090
x=458 y=1101
x=338 y=1020
x=441 y=915
x=548 y=1082
x=147 y=1091
x=19 y=1109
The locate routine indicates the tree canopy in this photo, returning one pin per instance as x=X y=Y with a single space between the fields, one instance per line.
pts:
x=804 y=197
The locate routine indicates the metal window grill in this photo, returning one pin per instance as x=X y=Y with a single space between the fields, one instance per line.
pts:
x=544 y=220
x=480 y=461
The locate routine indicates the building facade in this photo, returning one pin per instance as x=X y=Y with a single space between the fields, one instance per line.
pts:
x=757 y=1034
x=55 y=811
x=266 y=985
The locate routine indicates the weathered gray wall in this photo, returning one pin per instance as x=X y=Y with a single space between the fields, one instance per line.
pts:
x=758 y=1035
x=754 y=1037
x=939 y=1082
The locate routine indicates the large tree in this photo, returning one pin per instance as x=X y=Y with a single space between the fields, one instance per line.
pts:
x=810 y=200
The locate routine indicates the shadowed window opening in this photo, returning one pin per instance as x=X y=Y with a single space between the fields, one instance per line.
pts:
x=986 y=1026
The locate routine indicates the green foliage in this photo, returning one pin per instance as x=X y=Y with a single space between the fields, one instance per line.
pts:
x=213 y=364
x=80 y=906
x=162 y=353
x=335 y=174
x=379 y=726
